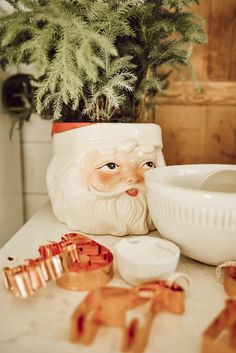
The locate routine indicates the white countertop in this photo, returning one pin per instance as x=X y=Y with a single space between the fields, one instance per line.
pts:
x=41 y=323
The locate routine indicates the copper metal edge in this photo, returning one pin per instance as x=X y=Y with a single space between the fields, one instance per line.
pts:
x=78 y=281
x=111 y=306
x=226 y=274
x=225 y=322
x=76 y=256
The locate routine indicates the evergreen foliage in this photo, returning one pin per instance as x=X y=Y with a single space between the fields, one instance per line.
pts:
x=99 y=58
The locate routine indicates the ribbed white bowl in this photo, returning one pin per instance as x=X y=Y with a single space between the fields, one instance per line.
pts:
x=202 y=223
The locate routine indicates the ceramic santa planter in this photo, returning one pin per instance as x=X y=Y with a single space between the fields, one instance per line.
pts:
x=96 y=177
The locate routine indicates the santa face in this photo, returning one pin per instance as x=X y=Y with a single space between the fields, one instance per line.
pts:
x=95 y=179
x=116 y=172
x=102 y=191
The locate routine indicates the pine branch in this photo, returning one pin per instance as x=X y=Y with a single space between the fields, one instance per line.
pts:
x=107 y=94
x=100 y=58
x=179 y=4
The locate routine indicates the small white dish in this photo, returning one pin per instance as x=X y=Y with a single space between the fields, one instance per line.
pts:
x=145 y=258
x=219 y=180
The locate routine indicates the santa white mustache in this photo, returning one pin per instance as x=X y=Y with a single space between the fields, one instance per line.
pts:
x=130 y=189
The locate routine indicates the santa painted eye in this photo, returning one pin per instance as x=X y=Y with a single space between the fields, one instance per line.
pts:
x=109 y=167
x=149 y=165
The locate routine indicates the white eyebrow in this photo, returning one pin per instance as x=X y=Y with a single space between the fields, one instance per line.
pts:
x=147 y=148
x=127 y=146
x=107 y=151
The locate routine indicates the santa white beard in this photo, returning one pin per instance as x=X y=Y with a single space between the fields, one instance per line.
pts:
x=84 y=211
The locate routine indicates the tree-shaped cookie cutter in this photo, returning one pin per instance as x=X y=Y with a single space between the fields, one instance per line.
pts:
x=117 y=307
x=220 y=336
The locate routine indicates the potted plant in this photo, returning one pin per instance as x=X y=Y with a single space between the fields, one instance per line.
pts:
x=100 y=61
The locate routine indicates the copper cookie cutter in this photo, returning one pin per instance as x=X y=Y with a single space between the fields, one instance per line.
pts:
x=220 y=336
x=117 y=307
x=226 y=274
x=76 y=263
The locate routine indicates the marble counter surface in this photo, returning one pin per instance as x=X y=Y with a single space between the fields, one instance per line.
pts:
x=41 y=323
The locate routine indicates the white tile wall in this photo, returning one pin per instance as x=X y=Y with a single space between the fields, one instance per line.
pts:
x=36 y=156
x=23 y=164
x=11 y=214
x=36 y=148
x=37 y=130
x=33 y=202
x=10 y=165
x=11 y=200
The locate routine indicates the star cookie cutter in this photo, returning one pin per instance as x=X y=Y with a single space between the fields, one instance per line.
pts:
x=117 y=307
x=76 y=263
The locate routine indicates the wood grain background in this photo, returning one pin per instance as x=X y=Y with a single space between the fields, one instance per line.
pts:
x=201 y=127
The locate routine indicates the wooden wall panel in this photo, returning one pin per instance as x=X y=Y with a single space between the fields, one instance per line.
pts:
x=220 y=139
x=214 y=60
x=198 y=134
x=211 y=93
x=201 y=128
x=200 y=58
x=222 y=44
x=183 y=130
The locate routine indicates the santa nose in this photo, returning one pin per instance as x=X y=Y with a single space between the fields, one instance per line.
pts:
x=132 y=178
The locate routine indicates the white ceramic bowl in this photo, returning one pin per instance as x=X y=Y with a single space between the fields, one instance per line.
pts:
x=202 y=223
x=145 y=258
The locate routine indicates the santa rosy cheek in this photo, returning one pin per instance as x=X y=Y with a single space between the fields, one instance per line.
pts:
x=106 y=180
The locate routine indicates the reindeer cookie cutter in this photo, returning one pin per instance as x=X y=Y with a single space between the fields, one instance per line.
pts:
x=117 y=307
x=220 y=336
x=76 y=263
x=226 y=274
